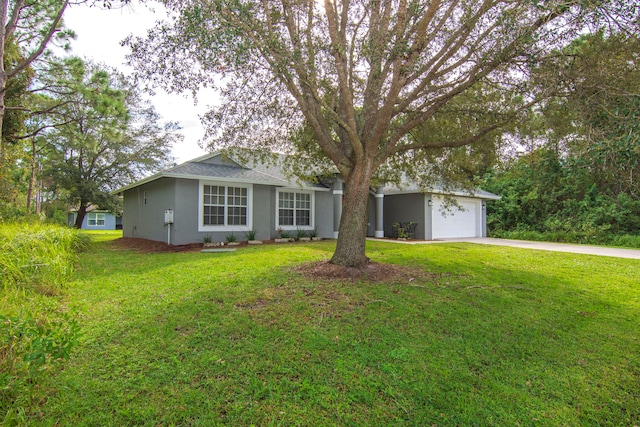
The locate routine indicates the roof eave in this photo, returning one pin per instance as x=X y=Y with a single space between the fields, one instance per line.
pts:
x=486 y=196
x=274 y=182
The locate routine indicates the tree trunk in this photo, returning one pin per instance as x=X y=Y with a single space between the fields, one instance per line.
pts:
x=32 y=176
x=3 y=143
x=352 y=236
x=82 y=212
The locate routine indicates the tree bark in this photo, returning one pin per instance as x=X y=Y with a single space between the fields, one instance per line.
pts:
x=32 y=176
x=3 y=148
x=352 y=235
x=82 y=212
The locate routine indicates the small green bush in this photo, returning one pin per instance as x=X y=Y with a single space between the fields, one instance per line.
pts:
x=283 y=234
x=300 y=234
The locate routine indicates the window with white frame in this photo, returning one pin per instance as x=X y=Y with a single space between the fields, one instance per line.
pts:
x=224 y=206
x=294 y=209
x=95 y=218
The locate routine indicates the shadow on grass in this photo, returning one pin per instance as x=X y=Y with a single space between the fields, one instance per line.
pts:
x=497 y=339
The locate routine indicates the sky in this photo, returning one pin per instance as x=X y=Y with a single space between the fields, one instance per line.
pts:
x=99 y=33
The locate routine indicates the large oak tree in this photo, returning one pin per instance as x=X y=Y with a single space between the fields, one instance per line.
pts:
x=363 y=75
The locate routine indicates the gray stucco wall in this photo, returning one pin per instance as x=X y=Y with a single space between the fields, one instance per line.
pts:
x=428 y=217
x=185 y=213
x=181 y=195
x=264 y=212
x=146 y=219
x=404 y=208
x=483 y=220
x=324 y=214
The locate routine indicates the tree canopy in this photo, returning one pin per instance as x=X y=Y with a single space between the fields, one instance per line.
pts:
x=581 y=180
x=364 y=76
x=99 y=135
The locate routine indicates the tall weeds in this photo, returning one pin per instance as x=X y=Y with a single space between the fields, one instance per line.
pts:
x=38 y=257
x=36 y=333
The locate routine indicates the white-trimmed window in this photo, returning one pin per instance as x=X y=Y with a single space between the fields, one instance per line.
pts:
x=224 y=207
x=294 y=209
x=95 y=219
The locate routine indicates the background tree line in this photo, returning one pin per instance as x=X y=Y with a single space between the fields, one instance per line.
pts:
x=577 y=175
x=566 y=103
x=72 y=131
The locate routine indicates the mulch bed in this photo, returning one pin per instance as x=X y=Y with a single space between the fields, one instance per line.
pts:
x=151 y=246
x=372 y=272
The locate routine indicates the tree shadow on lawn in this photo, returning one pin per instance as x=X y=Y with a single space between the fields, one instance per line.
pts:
x=286 y=348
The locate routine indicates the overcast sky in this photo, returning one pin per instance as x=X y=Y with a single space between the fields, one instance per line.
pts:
x=99 y=33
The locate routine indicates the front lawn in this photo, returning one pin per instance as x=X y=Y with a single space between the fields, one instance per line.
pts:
x=492 y=336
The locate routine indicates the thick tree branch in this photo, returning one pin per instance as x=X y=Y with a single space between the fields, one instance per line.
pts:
x=42 y=45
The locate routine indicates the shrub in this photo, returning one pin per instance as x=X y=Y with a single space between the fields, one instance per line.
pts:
x=300 y=234
x=283 y=234
x=251 y=235
x=231 y=238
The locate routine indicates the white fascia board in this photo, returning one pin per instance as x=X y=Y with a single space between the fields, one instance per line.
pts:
x=466 y=194
x=449 y=193
x=138 y=183
x=303 y=188
x=164 y=173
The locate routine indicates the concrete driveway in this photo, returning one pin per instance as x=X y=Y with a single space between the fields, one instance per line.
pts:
x=560 y=247
x=544 y=246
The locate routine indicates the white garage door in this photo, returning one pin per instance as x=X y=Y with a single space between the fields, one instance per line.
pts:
x=455 y=223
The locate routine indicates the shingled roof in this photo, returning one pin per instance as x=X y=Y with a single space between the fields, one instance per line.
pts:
x=214 y=167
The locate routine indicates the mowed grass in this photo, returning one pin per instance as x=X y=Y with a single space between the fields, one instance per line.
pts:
x=496 y=336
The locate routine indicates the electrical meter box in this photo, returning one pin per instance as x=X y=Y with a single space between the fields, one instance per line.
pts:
x=168 y=216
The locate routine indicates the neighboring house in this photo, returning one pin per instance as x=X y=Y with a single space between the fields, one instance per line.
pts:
x=96 y=219
x=212 y=197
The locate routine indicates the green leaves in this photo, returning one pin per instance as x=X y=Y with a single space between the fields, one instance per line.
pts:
x=103 y=134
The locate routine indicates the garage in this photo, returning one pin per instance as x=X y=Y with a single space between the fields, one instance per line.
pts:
x=456 y=222
x=429 y=213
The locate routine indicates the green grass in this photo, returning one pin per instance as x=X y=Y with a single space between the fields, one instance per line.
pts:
x=38 y=257
x=36 y=331
x=102 y=235
x=499 y=336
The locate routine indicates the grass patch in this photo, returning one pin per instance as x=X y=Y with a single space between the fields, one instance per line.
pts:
x=38 y=257
x=36 y=332
x=492 y=336
x=98 y=236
